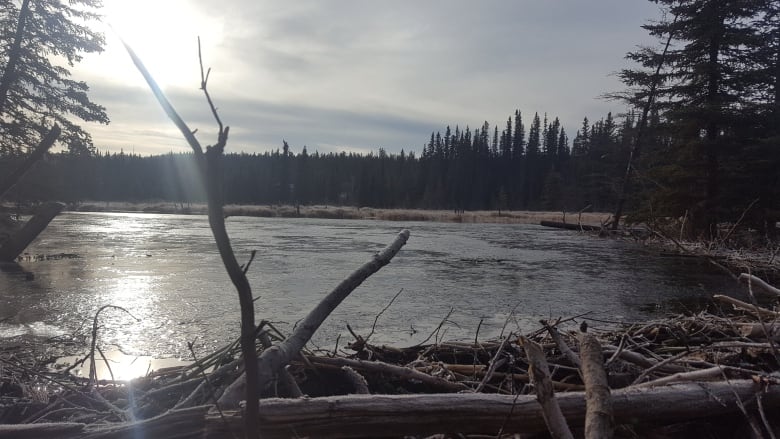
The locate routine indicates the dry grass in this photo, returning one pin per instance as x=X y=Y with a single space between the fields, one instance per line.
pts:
x=348 y=212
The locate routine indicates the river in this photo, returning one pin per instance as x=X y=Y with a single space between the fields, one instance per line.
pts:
x=166 y=272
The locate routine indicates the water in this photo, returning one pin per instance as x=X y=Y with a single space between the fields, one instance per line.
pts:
x=166 y=272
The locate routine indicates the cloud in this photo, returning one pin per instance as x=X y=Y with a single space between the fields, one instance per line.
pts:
x=256 y=125
x=368 y=74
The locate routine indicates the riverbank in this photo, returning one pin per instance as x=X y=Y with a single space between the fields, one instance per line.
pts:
x=348 y=212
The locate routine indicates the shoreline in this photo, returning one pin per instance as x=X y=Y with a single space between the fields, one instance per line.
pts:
x=348 y=212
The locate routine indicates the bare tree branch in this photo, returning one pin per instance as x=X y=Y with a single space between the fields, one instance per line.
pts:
x=210 y=165
x=273 y=359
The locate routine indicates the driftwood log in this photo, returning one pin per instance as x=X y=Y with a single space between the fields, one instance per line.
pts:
x=570 y=226
x=353 y=416
x=387 y=416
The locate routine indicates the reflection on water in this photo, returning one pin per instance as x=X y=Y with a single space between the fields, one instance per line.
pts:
x=165 y=270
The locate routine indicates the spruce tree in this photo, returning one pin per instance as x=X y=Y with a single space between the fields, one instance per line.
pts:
x=40 y=40
x=700 y=100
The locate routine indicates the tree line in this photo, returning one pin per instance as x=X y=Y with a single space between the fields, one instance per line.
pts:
x=461 y=169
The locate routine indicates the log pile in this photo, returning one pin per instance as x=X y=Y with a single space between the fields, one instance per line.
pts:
x=713 y=373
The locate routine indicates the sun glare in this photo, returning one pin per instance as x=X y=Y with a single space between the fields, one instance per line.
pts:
x=163 y=34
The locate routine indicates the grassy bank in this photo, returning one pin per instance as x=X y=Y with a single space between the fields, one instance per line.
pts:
x=348 y=212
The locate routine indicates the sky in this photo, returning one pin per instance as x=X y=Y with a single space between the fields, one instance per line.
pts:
x=356 y=75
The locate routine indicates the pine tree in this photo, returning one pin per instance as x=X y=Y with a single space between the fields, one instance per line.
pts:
x=40 y=40
x=700 y=101
x=518 y=144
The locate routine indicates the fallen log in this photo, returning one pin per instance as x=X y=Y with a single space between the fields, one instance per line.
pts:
x=20 y=239
x=570 y=226
x=398 y=415
x=354 y=416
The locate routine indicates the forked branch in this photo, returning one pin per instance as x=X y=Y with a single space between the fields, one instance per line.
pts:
x=210 y=165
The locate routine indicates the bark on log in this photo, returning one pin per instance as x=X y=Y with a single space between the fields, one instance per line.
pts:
x=540 y=373
x=21 y=238
x=398 y=415
x=598 y=416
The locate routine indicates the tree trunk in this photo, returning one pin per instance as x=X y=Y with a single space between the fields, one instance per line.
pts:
x=353 y=416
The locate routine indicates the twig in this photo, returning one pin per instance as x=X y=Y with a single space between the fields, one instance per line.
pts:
x=476 y=334
x=661 y=364
x=767 y=332
x=204 y=86
x=249 y=262
x=739 y=221
x=105 y=360
x=762 y=413
x=435 y=331
x=93 y=348
x=773 y=255
x=191 y=347
x=508 y=416
x=376 y=319
x=494 y=364
x=618 y=351
x=751 y=421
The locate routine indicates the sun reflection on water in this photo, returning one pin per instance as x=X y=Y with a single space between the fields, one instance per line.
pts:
x=120 y=367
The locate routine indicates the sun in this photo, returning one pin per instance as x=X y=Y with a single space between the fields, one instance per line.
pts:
x=163 y=34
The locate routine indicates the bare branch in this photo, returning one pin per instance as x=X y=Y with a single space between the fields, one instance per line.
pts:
x=164 y=103
x=204 y=79
x=273 y=359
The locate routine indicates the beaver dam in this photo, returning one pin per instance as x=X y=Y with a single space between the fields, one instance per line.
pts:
x=707 y=374
x=712 y=373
